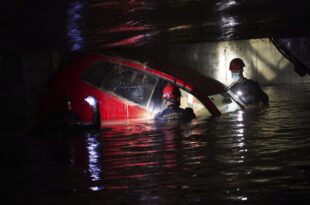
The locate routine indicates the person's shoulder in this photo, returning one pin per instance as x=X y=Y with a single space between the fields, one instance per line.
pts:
x=235 y=84
x=246 y=80
x=251 y=81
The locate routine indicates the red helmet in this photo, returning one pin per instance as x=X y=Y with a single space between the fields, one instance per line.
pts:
x=236 y=64
x=171 y=92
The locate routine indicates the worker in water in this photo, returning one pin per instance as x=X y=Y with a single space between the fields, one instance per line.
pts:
x=248 y=90
x=173 y=112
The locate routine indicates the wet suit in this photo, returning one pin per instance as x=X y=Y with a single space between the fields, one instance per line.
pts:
x=174 y=113
x=251 y=91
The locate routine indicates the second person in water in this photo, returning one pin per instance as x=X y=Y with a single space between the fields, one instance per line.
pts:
x=248 y=90
x=173 y=112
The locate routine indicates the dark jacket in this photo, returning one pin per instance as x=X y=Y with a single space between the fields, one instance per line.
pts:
x=174 y=113
x=251 y=91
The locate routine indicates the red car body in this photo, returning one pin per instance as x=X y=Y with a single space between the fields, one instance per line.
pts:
x=104 y=77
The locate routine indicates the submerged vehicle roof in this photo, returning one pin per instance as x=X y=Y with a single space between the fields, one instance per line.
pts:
x=186 y=78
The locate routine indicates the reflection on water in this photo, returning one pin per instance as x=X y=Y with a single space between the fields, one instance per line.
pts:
x=256 y=156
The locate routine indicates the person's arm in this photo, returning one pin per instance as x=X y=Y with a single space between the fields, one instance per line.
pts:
x=261 y=94
x=265 y=98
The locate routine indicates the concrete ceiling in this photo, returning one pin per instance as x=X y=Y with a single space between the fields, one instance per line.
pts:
x=67 y=25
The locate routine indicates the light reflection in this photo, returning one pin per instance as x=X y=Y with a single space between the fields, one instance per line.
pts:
x=240 y=131
x=241 y=144
x=228 y=22
x=74 y=32
x=268 y=64
x=180 y=27
x=134 y=40
x=226 y=4
x=93 y=157
x=243 y=198
x=96 y=188
x=240 y=116
x=239 y=156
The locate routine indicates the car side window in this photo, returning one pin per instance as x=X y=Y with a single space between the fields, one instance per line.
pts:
x=134 y=85
x=117 y=80
x=96 y=73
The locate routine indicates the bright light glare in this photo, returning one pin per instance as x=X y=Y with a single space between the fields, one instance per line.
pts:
x=90 y=100
x=97 y=188
x=240 y=116
x=239 y=93
x=155 y=111
x=94 y=168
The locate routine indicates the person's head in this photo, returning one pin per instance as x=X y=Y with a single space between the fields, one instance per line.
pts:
x=236 y=67
x=171 y=95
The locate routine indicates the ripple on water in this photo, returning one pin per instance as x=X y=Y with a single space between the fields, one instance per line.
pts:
x=256 y=156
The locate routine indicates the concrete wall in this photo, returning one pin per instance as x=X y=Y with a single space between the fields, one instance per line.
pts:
x=264 y=62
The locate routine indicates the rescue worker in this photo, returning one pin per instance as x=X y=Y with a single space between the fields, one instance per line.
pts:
x=248 y=90
x=173 y=112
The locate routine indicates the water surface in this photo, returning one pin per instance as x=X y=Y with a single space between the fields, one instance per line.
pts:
x=255 y=156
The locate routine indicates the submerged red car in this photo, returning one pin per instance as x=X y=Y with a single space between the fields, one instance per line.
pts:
x=129 y=90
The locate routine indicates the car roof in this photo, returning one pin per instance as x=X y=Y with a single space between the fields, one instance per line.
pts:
x=186 y=78
x=183 y=77
x=201 y=83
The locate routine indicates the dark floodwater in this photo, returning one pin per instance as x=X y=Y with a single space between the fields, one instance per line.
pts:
x=257 y=156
